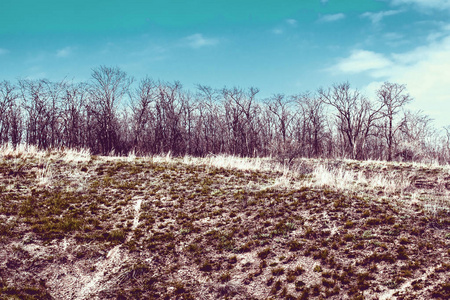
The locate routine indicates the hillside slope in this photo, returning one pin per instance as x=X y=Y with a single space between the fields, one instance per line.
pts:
x=75 y=226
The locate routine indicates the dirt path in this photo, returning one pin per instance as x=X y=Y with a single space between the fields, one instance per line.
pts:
x=86 y=279
x=137 y=212
x=99 y=281
x=390 y=293
x=115 y=258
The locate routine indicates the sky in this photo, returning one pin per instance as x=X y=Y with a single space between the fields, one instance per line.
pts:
x=288 y=46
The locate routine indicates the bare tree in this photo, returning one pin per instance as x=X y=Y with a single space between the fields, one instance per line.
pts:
x=211 y=127
x=143 y=115
x=446 y=145
x=37 y=104
x=188 y=120
x=392 y=97
x=355 y=117
x=164 y=117
x=417 y=137
x=168 y=109
x=73 y=115
x=278 y=105
x=311 y=123
x=241 y=114
x=282 y=115
x=8 y=99
x=107 y=88
x=55 y=91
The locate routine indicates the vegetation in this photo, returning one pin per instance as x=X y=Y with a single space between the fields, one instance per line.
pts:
x=112 y=114
x=80 y=226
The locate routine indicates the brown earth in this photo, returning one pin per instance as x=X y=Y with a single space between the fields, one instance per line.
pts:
x=138 y=229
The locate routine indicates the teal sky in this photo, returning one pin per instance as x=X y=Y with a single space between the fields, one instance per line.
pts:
x=278 y=46
x=102 y=16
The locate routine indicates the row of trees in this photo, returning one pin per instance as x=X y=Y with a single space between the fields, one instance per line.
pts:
x=113 y=114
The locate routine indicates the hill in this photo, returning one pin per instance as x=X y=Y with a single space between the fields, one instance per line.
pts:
x=77 y=226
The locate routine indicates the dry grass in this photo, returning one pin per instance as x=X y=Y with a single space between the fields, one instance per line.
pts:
x=76 y=226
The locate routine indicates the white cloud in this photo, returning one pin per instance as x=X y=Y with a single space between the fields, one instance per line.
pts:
x=64 y=52
x=277 y=31
x=198 y=41
x=425 y=70
x=291 y=22
x=394 y=39
x=332 y=18
x=378 y=16
x=282 y=28
x=392 y=36
x=3 y=51
x=361 y=61
x=436 y=4
x=35 y=72
x=443 y=31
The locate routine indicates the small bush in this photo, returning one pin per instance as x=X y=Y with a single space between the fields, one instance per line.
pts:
x=264 y=253
x=206 y=267
x=116 y=235
x=294 y=246
x=278 y=271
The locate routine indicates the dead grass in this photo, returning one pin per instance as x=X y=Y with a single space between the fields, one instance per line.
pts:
x=76 y=226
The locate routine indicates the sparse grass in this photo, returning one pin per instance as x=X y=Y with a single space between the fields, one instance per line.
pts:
x=249 y=227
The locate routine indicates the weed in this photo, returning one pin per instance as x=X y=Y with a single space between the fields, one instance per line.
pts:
x=182 y=199
x=349 y=224
x=206 y=266
x=349 y=237
x=328 y=283
x=402 y=253
x=264 y=253
x=290 y=277
x=262 y=265
x=134 y=271
x=116 y=236
x=367 y=234
x=299 y=285
x=247 y=247
x=225 y=277
x=278 y=271
x=294 y=246
x=373 y=221
x=232 y=259
x=276 y=287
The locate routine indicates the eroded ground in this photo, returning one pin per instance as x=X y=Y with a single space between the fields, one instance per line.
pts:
x=134 y=228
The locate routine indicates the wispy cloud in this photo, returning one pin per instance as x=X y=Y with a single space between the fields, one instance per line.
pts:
x=394 y=39
x=378 y=16
x=332 y=18
x=291 y=22
x=64 y=52
x=361 y=61
x=35 y=72
x=425 y=70
x=392 y=36
x=435 y=35
x=198 y=41
x=3 y=51
x=435 y=4
x=277 y=31
x=284 y=27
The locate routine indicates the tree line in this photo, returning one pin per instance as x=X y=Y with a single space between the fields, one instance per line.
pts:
x=113 y=113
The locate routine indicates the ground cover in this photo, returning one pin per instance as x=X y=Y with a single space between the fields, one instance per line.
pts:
x=76 y=226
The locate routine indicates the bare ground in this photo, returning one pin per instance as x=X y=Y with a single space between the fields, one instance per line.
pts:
x=105 y=228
